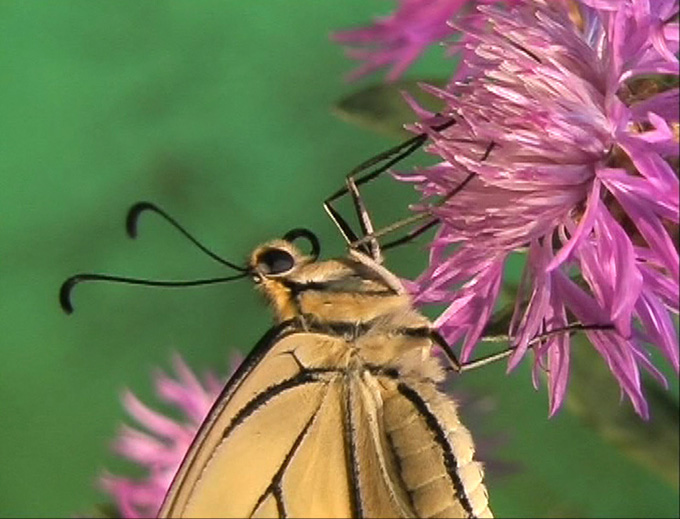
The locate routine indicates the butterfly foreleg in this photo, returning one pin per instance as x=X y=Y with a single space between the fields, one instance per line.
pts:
x=460 y=367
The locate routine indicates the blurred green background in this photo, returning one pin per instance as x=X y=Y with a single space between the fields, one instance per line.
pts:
x=221 y=113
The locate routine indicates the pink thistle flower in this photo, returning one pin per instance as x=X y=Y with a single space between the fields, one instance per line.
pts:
x=160 y=450
x=397 y=40
x=580 y=176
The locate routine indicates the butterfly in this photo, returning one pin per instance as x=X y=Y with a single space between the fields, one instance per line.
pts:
x=337 y=411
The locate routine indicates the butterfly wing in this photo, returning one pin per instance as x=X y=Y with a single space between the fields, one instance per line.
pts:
x=272 y=444
x=296 y=433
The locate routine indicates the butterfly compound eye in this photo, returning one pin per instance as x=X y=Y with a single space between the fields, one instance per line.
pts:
x=308 y=235
x=274 y=262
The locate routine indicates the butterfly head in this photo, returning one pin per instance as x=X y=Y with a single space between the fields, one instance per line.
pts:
x=276 y=267
x=354 y=288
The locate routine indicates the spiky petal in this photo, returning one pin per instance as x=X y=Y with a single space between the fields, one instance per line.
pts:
x=162 y=446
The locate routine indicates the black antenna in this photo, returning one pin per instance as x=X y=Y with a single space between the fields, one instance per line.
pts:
x=294 y=234
x=68 y=285
x=140 y=207
x=131 y=227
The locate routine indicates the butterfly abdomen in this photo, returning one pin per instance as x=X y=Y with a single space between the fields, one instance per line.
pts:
x=434 y=452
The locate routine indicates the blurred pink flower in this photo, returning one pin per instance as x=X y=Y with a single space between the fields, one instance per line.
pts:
x=579 y=176
x=398 y=39
x=162 y=448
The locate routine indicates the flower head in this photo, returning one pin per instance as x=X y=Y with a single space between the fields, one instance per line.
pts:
x=578 y=174
x=160 y=450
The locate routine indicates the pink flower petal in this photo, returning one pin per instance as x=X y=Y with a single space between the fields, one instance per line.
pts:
x=583 y=228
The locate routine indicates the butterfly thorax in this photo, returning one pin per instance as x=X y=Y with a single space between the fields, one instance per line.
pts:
x=359 y=304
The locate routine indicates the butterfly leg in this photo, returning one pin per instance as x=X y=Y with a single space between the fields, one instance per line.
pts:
x=370 y=170
x=364 y=173
x=370 y=248
x=433 y=220
x=340 y=222
x=455 y=364
x=459 y=367
x=364 y=220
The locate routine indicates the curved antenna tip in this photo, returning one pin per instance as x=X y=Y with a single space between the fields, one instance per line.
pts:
x=294 y=234
x=137 y=209
x=133 y=216
x=65 y=294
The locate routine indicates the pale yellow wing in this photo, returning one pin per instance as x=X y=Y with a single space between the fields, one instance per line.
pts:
x=273 y=445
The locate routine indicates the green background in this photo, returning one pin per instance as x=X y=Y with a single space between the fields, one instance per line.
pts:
x=220 y=112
